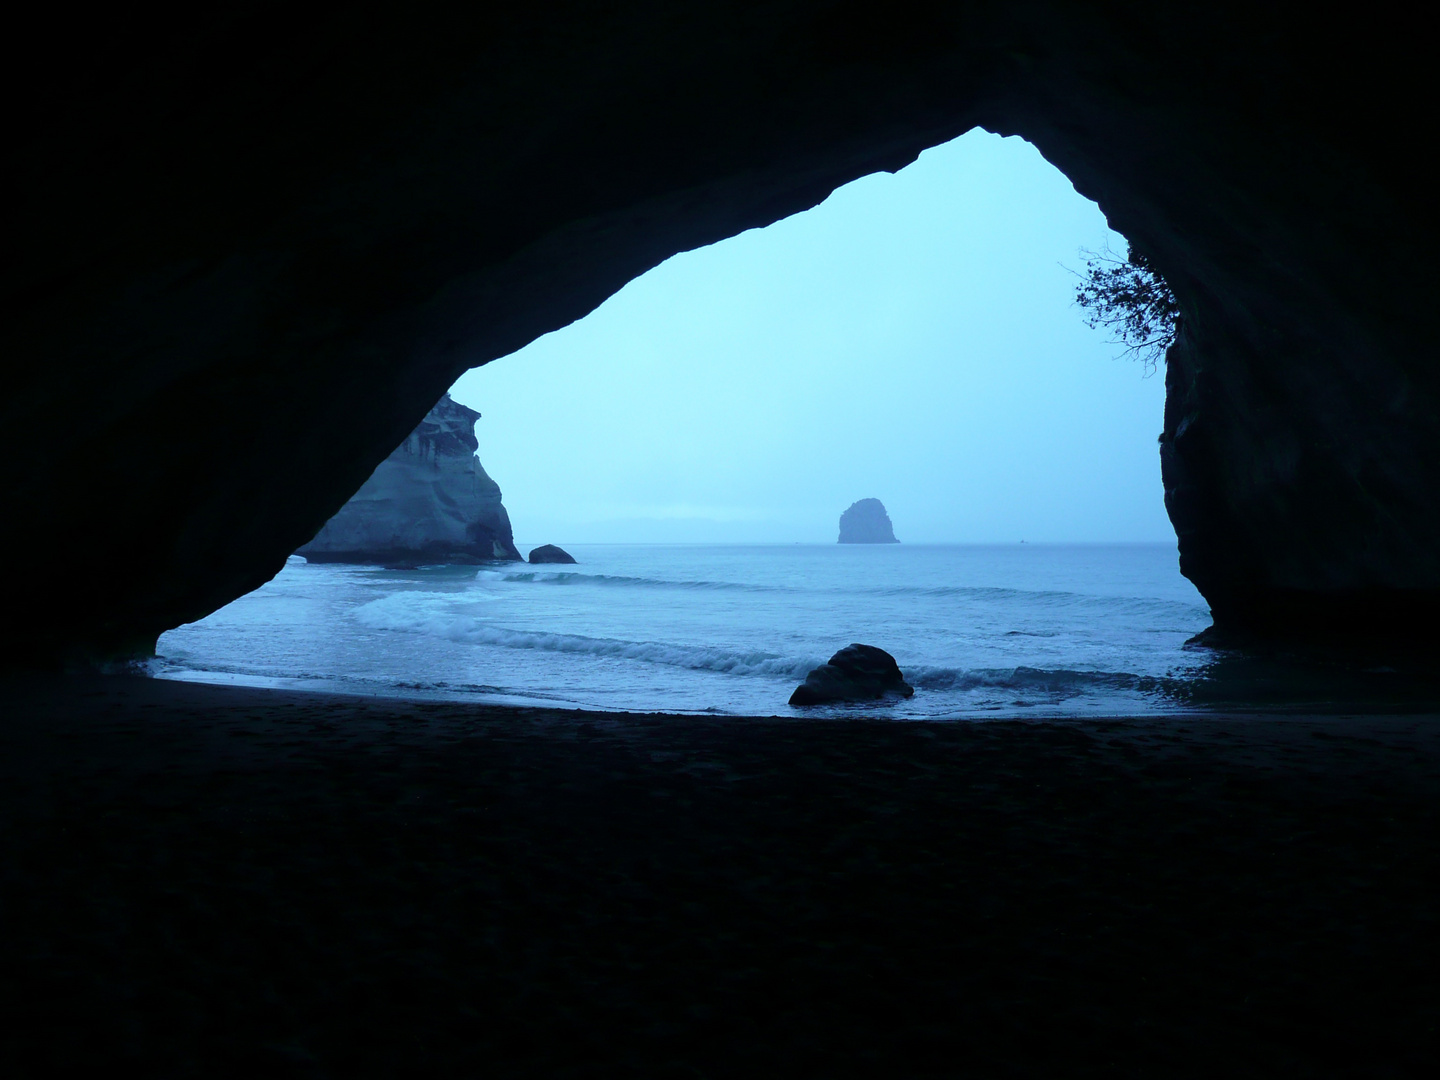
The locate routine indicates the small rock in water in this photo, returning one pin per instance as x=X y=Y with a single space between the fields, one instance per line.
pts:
x=855 y=673
x=552 y=554
x=866 y=522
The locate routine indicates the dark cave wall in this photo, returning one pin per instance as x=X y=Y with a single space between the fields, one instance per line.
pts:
x=1268 y=166
x=251 y=249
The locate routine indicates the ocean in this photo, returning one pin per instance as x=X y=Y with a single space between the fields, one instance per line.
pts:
x=979 y=630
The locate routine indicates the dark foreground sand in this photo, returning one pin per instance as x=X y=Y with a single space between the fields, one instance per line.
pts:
x=229 y=881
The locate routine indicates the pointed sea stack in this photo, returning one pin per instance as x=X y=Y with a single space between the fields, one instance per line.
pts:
x=430 y=501
x=866 y=522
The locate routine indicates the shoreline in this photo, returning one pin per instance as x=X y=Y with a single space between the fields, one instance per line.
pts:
x=1354 y=707
x=314 y=884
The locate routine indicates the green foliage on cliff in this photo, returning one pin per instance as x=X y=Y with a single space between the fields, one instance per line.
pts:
x=1131 y=298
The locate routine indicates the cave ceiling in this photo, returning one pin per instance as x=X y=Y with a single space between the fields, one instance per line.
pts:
x=251 y=246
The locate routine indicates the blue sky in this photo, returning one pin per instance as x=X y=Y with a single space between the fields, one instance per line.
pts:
x=912 y=339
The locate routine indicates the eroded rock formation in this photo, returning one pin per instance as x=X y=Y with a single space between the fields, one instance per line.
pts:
x=252 y=244
x=866 y=522
x=430 y=501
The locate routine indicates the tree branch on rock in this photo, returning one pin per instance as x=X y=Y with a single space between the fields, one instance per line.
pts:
x=1131 y=298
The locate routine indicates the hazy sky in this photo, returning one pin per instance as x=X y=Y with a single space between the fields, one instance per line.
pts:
x=912 y=338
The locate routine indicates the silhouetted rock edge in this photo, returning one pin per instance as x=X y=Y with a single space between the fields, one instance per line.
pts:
x=549 y=553
x=855 y=673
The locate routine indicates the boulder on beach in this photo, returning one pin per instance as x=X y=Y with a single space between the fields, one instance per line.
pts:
x=866 y=522
x=551 y=554
x=855 y=673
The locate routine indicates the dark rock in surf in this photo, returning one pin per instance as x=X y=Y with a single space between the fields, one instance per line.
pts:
x=549 y=553
x=855 y=673
x=866 y=522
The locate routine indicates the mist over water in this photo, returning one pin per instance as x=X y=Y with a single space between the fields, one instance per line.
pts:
x=979 y=630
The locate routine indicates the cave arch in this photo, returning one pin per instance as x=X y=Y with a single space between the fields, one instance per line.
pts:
x=912 y=322
x=252 y=247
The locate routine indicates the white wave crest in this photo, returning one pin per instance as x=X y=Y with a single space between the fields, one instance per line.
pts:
x=1059 y=681
x=405 y=612
x=576 y=577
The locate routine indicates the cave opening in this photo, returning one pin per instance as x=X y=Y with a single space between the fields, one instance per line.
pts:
x=693 y=440
x=915 y=334
x=252 y=245
x=283 y=290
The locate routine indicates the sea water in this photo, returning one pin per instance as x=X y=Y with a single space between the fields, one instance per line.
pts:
x=979 y=631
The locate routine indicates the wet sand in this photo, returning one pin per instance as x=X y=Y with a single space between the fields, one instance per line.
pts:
x=202 y=880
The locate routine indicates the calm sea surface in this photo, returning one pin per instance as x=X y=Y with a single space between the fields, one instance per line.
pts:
x=978 y=630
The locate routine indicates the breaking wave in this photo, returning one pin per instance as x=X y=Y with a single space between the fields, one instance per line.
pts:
x=408 y=612
x=1042 y=597
x=1056 y=682
x=575 y=577
x=386 y=614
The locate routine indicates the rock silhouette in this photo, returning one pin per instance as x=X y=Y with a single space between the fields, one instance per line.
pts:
x=866 y=522
x=855 y=673
x=549 y=553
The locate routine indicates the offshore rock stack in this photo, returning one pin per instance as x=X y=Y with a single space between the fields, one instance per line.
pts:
x=430 y=501
x=866 y=522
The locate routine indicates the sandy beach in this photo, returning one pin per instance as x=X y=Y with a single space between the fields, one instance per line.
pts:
x=202 y=880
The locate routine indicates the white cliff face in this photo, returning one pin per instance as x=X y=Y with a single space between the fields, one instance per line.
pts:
x=429 y=501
